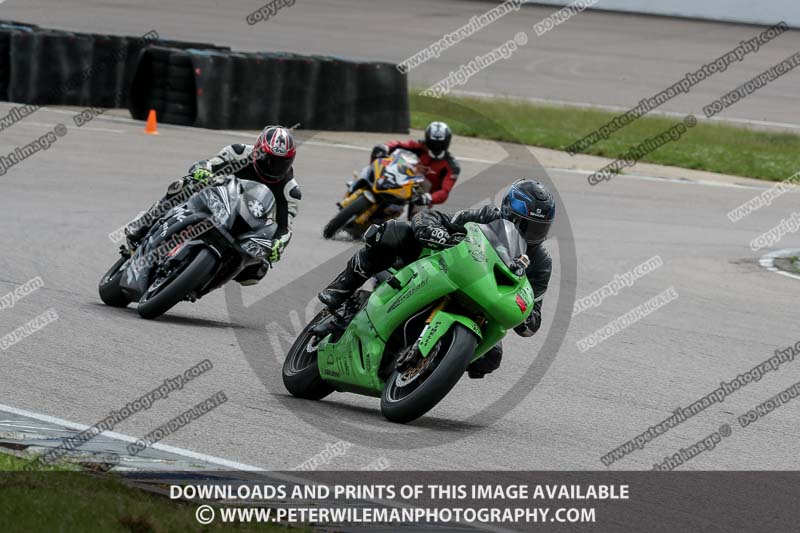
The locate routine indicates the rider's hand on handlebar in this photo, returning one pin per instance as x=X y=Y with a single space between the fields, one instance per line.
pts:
x=456 y=238
x=434 y=237
x=520 y=265
x=202 y=175
x=422 y=199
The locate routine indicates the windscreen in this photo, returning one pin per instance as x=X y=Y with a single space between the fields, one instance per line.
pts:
x=505 y=239
x=400 y=170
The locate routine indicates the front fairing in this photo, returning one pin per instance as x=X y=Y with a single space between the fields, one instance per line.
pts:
x=397 y=175
x=473 y=273
x=252 y=202
x=232 y=208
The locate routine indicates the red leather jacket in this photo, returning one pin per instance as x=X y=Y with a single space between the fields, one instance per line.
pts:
x=442 y=173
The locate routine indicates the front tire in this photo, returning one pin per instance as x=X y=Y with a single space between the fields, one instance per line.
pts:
x=300 y=371
x=345 y=216
x=191 y=277
x=403 y=401
x=109 y=289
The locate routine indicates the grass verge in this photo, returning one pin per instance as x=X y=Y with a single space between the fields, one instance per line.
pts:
x=714 y=147
x=70 y=501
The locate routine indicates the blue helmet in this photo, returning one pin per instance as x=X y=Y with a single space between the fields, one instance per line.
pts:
x=531 y=208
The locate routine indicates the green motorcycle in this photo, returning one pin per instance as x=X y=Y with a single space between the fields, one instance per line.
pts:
x=412 y=338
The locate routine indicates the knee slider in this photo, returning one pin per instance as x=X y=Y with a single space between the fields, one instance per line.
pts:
x=175 y=187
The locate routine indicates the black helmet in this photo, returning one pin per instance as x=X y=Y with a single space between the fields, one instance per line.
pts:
x=437 y=139
x=273 y=153
x=531 y=207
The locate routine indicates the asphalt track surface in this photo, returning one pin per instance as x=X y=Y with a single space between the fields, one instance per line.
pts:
x=59 y=206
x=598 y=58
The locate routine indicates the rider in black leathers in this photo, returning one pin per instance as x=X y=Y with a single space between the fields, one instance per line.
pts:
x=268 y=161
x=527 y=203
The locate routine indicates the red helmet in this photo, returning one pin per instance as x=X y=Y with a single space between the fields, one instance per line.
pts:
x=273 y=153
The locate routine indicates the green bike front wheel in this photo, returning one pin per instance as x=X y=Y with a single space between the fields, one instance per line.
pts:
x=413 y=392
x=300 y=371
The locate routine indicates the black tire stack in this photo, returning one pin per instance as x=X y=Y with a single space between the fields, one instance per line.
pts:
x=166 y=83
x=199 y=84
x=6 y=27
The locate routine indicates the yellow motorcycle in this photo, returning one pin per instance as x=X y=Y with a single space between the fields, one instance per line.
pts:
x=381 y=192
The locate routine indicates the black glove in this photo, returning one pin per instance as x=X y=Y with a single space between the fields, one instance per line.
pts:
x=379 y=151
x=422 y=199
x=530 y=326
x=456 y=238
x=435 y=237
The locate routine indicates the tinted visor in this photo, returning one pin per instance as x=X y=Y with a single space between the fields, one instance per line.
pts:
x=437 y=147
x=532 y=230
x=273 y=166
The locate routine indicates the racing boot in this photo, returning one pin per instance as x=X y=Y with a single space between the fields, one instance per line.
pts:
x=486 y=364
x=342 y=288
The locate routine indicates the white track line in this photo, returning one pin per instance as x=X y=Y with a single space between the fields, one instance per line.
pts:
x=768 y=261
x=331 y=144
x=233 y=465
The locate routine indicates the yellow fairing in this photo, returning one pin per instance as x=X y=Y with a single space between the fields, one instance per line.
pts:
x=404 y=192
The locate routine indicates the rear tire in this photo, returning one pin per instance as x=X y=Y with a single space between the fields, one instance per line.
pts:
x=345 y=216
x=109 y=289
x=300 y=371
x=190 y=278
x=401 y=406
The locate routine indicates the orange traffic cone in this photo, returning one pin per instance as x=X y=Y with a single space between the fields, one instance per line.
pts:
x=152 y=123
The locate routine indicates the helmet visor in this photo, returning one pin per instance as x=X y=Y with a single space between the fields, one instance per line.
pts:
x=532 y=230
x=273 y=166
x=437 y=148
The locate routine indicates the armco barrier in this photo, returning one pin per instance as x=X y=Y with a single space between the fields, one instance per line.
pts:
x=199 y=84
x=232 y=90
